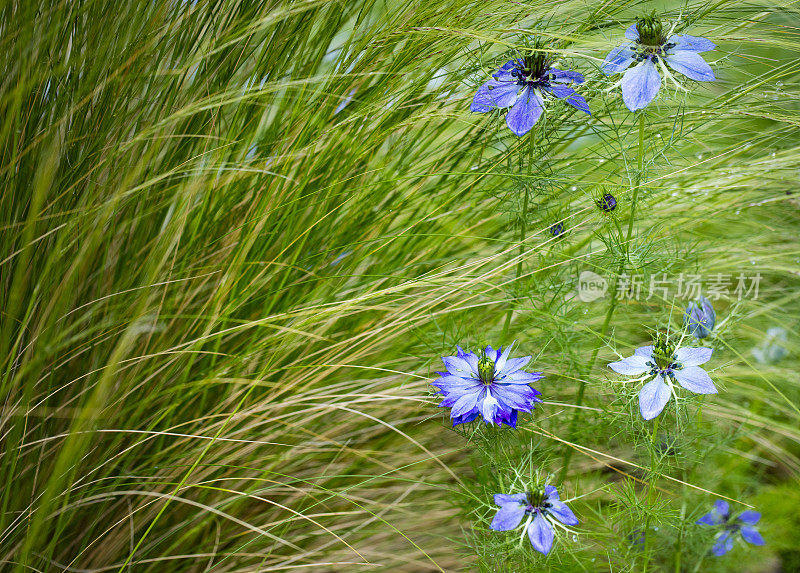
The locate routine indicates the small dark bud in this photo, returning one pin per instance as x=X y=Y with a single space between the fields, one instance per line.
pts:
x=607 y=202
x=557 y=229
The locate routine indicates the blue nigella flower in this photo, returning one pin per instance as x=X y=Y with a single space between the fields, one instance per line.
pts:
x=522 y=84
x=542 y=508
x=490 y=385
x=663 y=365
x=700 y=317
x=743 y=525
x=773 y=348
x=651 y=49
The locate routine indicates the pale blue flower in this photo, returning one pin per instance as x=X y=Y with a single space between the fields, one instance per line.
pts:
x=664 y=365
x=773 y=348
x=651 y=50
x=742 y=526
x=542 y=508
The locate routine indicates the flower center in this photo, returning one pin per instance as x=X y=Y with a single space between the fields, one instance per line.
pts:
x=651 y=31
x=531 y=71
x=642 y=52
x=486 y=369
x=664 y=353
x=536 y=499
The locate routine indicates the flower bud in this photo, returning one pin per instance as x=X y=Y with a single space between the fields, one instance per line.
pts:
x=699 y=317
x=607 y=202
x=557 y=229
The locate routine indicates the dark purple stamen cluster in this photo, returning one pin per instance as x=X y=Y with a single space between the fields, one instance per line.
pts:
x=531 y=71
x=643 y=52
x=537 y=501
x=666 y=371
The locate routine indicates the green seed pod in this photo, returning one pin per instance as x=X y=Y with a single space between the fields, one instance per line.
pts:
x=663 y=350
x=486 y=368
x=651 y=32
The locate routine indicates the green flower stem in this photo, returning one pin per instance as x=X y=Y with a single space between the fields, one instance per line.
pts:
x=650 y=490
x=567 y=455
x=639 y=169
x=679 y=549
x=522 y=232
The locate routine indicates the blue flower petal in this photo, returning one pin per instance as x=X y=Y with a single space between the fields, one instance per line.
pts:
x=457 y=366
x=573 y=99
x=540 y=532
x=561 y=512
x=465 y=404
x=452 y=383
x=466 y=418
x=751 y=535
x=500 y=363
x=525 y=113
x=695 y=379
x=640 y=85
x=453 y=396
x=618 y=60
x=551 y=492
x=750 y=517
x=693 y=356
x=522 y=377
x=699 y=318
x=508 y=516
x=653 y=397
x=515 y=364
x=723 y=545
x=722 y=508
x=489 y=407
x=516 y=397
x=494 y=94
x=693 y=43
x=503 y=498
x=710 y=518
x=505 y=71
x=646 y=351
x=690 y=64
x=565 y=76
x=508 y=418
x=630 y=366
x=632 y=33
x=708 y=309
x=470 y=357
